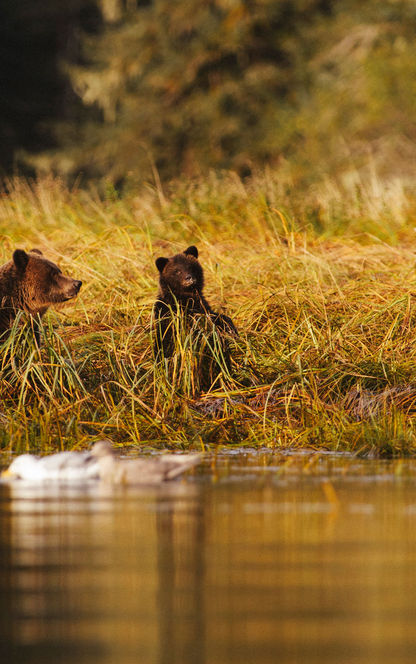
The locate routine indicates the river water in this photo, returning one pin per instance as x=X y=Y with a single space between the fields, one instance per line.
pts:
x=256 y=558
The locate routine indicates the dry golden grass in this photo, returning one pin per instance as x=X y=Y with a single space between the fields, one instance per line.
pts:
x=320 y=286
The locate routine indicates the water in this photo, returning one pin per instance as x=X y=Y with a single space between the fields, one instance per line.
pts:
x=255 y=559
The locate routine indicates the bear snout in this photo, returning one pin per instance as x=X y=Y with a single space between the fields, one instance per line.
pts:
x=75 y=288
x=70 y=289
x=189 y=280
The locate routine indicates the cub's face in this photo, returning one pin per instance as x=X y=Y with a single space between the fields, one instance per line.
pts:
x=42 y=282
x=182 y=274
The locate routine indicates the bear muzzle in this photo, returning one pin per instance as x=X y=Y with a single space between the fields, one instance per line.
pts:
x=72 y=290
x=189 y=281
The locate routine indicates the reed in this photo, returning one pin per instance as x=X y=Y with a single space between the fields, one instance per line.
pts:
x=320 y=286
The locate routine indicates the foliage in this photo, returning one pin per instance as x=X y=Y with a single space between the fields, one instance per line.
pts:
x=306 y=85
x=191 y=84
x=132 y=91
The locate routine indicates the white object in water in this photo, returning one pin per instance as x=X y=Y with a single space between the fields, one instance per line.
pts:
x=140 y=471
x=99 y=463
x=66 y=466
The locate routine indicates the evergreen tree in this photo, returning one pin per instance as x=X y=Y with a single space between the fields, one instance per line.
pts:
x=190 y=84
x=184 y=85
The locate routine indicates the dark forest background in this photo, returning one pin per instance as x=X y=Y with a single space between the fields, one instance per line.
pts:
x=117 y=89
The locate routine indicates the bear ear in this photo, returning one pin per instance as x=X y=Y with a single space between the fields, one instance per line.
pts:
x=20 y=259
x=36 y=251
x=191 y=251
x=161 y=262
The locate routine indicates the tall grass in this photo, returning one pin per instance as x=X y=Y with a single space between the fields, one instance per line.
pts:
x=320 y=286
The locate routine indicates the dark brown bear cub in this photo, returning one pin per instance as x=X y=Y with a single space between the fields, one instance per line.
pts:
x=31 y=283
x=181 y=282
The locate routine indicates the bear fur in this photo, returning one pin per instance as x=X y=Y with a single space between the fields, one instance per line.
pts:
x=181 y=283
x=31 y=283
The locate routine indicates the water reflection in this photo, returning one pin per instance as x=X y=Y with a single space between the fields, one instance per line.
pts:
x=89 y=572
x=257 y=558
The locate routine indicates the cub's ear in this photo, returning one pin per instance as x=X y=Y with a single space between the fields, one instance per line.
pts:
x=36 y=251
x=191 y=251
x=20 y=259
x=161 y=262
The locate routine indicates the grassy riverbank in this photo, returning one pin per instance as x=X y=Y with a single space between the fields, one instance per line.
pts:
x=320 y=285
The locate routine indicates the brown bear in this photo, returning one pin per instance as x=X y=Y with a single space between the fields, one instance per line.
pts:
x=31 y=283
x=181 y=282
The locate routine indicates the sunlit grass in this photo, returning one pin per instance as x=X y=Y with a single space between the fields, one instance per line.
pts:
x=320 y=287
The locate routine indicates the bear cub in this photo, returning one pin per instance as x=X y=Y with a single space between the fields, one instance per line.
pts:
x=31 y=283
x=181 y=282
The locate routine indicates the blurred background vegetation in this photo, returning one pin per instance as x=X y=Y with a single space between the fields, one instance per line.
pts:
x=127 y=90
